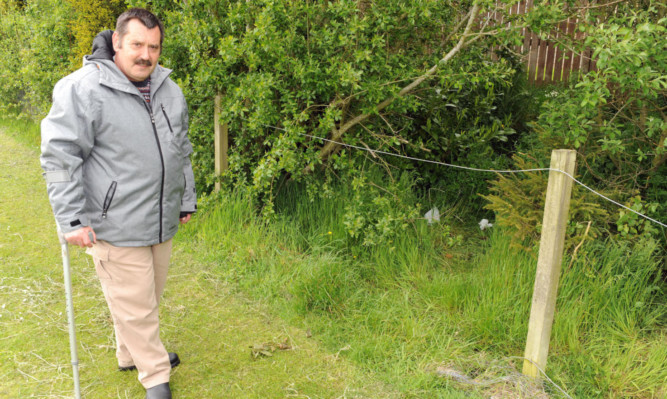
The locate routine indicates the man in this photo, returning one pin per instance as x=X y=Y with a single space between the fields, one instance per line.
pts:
x=115 y=153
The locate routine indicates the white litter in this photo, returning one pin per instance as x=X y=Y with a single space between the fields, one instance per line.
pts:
x=432 y=216
x=484 y=224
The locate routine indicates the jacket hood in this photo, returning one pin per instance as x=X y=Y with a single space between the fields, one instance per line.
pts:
x=102 y=47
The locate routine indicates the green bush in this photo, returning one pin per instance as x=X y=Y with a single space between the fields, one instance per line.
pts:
x=41 y=41
x=286 y=69
x=34 y=54
x=11 y=24
x=614 y=115
x=518 y=203
x=91 y=17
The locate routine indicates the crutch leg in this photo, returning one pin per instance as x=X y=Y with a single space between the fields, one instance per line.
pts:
x=70 y=314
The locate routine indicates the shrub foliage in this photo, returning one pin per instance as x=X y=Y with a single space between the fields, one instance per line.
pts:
x=90 y=17
x=40 y=42
x=614 y=117
x=414 y=78
x=292 y=70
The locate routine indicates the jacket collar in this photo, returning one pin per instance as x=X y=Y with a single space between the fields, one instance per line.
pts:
x=112 y=77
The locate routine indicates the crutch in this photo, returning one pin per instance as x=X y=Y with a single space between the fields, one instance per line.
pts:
x=70 y=313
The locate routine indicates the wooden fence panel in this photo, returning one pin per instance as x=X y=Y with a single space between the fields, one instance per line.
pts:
x=541 y=61
x=559 y=60
x=550 y=73
x=567 y=55
x=576 y=60
x=545 y=61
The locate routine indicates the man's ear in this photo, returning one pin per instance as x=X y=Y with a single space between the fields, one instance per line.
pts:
x=115 y=39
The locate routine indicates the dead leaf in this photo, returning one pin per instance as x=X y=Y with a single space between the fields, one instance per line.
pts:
x=268 y=348
x=284 y=345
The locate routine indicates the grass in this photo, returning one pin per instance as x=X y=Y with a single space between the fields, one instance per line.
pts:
x=421 y=305
x=21 y=128
x=423 y=317
x=212 y=326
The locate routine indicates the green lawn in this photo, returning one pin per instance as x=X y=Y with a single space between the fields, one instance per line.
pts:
x=206 y=321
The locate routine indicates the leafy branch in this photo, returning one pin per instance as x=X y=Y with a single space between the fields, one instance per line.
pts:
x=337 y=133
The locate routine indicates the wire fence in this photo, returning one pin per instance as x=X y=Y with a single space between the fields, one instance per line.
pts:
x=511 y=377
x=507 y=171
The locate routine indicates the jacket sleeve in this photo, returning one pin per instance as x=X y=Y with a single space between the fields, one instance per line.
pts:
x=189 y=201
x=66 y=142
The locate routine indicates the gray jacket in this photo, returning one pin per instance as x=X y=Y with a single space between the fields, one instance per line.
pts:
x=113 y=161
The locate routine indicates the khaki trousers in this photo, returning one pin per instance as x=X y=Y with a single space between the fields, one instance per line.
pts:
x=132 y=280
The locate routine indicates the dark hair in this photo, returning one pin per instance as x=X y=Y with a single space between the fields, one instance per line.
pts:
x=144 y=16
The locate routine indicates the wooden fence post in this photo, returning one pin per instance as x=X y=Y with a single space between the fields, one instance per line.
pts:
x=559 y=190
x=221 y=142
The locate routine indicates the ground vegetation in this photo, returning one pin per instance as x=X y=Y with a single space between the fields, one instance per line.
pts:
x=335 y=238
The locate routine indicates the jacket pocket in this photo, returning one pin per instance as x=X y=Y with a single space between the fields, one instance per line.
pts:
x=100 y=255
x=109 y=197
x=164 y=112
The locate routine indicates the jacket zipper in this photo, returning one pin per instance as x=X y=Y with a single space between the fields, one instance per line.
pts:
x=167 y=118
x=159 y=147
x=108 y=198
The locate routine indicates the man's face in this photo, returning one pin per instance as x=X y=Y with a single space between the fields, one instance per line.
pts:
x=137 y=51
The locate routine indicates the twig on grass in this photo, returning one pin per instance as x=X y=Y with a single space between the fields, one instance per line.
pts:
x=26 y=374
x=574 y=253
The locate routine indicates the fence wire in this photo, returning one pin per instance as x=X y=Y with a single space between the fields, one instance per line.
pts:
x=372 y=151
x=490 y=171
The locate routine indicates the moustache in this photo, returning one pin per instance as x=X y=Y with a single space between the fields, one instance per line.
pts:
x=143 y=62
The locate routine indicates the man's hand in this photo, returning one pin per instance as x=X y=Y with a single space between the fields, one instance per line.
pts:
x=83 y=237
x=185 y=218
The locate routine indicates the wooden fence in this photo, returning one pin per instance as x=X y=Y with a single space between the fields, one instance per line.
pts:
x=545 y=61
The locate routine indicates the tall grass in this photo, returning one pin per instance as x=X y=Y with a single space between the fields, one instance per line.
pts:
x=22 y=128
x=420 y=302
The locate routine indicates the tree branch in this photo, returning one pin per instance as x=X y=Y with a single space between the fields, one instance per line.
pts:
x=590 y=7
x=337 y=133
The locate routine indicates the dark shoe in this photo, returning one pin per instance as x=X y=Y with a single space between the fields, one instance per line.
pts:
x=161 y=391
x=173 y=359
